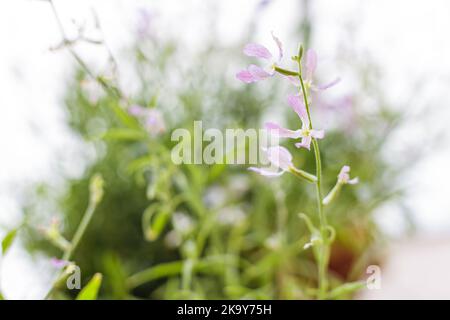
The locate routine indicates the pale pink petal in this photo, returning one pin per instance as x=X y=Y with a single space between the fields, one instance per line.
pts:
x=279 y=157
x=305 y=143
x=265 y=172
x=296 y=102
x=136 y=110
x=343 y=175
x=154 y=122
x=279 y=45
x=257 y=50
x=58 y=263
x=318 y=134
x=305 y=122
x=282 y=132
x=245 y=76
x=345 y=169
x=311 y=64
x=328 y=85
x=294 y=80
x=258 y=73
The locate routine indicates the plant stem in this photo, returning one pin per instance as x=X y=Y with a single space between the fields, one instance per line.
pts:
x=324 y=250
x=80 y=231
x=95 y=196
x=112 y=90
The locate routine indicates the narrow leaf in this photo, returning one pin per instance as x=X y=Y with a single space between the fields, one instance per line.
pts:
x=8 y=240
x=346 y=289
x=124 y=134
x=90 y=291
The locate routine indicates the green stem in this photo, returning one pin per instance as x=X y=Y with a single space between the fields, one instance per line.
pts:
x=80 y=231
x=332 y=194
x=95 y=196
x=303 y=174
x=324 y=250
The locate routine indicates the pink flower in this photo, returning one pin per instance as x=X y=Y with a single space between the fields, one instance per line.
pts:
x=309 y=68
x=145 y=20
x=344 y=177
x=305 y=133
x=151 y=118
x=255 y=73
x=280 y=159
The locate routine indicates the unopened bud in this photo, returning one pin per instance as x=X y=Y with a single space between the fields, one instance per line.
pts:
x=285 y=71
x=96 y=188
x=300 y=52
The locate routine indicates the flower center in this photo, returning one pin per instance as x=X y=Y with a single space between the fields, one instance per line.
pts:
x=306 y=132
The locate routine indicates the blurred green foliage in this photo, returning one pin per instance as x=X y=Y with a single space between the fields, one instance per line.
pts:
x=211 y=231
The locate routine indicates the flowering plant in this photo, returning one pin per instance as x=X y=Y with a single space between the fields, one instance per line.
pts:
x=301 y=103
x=208 y=231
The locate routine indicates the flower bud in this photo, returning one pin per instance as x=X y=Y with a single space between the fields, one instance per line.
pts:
x=285 y=71
x=300 y=52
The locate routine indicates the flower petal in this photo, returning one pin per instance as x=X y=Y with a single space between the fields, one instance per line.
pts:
x=58 y=263
x=305 y=143
x=343 y=175
x=258 y=73
x=245 y=76
x=265 y=172
x=318 y=134
x=279 y=45
x=136 y=110
x=279 y=157
x=296 y=102
x=311 y=64
x=257 y=50
x=154 y=122
x=294 y=80
x=282 y=132
x=328 y=85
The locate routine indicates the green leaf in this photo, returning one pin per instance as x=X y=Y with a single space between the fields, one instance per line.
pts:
x=160 y=185
x=347 y=288
x=124 y=117
x=2 y=297
x=113 y=270
x=154 y=220
x=124 y=134
x=90 y=291
x=8 y=240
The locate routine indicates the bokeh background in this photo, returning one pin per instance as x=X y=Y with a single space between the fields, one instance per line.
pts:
x=388 y=119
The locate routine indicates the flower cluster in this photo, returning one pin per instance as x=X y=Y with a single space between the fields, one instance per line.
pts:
x=279 y=157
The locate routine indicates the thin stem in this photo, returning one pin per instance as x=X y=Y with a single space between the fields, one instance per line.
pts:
x=324 y=250
x=80 y=231
x=95 y=196
x=114 y=91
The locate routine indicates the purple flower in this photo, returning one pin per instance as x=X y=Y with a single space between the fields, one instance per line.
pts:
x=344 y=177
x=151 y=118
x=255 y=73
x=144 y=22
x=305 y=133
x=280 y=159
x=309 y=68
